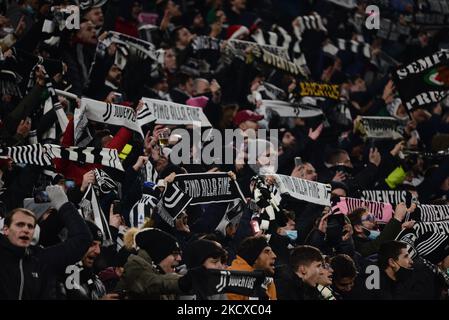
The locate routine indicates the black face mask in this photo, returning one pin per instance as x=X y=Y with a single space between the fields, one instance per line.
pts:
x=403 y=274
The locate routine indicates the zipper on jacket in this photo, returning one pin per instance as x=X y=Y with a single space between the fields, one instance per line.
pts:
x=21 y=279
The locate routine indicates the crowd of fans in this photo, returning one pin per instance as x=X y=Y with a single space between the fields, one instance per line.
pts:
x=50 y=251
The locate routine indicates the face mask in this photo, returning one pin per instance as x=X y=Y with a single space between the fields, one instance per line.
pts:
x=8 y=30
x=403 y=273
x=292 y=234
x=373 y=234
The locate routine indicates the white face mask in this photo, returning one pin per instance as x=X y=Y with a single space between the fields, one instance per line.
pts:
x=8 y=30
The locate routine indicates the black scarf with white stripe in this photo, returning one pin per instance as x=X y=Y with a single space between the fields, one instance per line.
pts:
x=42 y=155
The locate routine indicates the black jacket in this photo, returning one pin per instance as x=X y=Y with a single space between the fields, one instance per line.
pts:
x=28 y=273
x=291 y=287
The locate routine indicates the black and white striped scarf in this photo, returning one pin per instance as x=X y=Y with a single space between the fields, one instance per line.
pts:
x=143 y=47
x=105 y=182
x=149 y=172
x=141 y=209
x=361 y=48
x=62 y=117
x=30 y=154
x=105 y=156
x=309 y=22
x=42 y=155
x=91 y=210
x=276 y=36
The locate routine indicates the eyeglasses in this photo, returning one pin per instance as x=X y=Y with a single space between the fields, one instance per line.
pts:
x=369 y=217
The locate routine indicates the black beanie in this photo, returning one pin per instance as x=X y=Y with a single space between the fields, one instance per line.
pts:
x=96 y=233
x=198 y=251
x=157 y=243
x=251 y=247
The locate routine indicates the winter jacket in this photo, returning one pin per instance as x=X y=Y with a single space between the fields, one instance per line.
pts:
x=239 y=264
x=290 y=286
x=144 y=280
x=27 y=273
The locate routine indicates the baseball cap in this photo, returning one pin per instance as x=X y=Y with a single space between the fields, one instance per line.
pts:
x=246 y=115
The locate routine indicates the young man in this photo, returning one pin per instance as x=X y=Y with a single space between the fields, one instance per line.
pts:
x=396 y=271
x=367 y=239
x=300 y=279
x=27 y=272
x=344 y=276
x=253 y=254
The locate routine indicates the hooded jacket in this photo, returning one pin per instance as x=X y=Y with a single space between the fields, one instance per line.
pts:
x=28 y=273
x=144 y=280
x=239 y=264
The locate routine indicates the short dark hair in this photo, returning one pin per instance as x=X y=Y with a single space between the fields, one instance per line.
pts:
x=333 y=156
x=356 y=216
x=304 y=255
x=10 y=215
x=343 y=266
x=389 y=250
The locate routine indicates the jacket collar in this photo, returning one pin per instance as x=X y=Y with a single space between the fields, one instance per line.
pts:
x=145 y=256
x=19 y=252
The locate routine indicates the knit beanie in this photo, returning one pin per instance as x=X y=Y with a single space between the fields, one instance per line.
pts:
x=157 y=243
x=200 y=250
x=251 y=247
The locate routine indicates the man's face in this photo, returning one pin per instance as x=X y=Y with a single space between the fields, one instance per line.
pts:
x=170 y=263
x=288 y=139
x=95 y=15
x=189 y=87
x=344 y=160
x=309 y=172
x=170 y=59
x=369 y=221
x=326 y=278
x=202 y=87
x=92 y=253
x=312 y=273
x=213 y=263
x=184 y=37
x=21 y=231
x=86 y=34
x=344 y=284
x=136 y=9
x=265 y=261
x=115 y=75
x=403 y=260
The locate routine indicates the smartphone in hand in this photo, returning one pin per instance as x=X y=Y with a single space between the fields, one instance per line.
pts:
x=117 y=207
